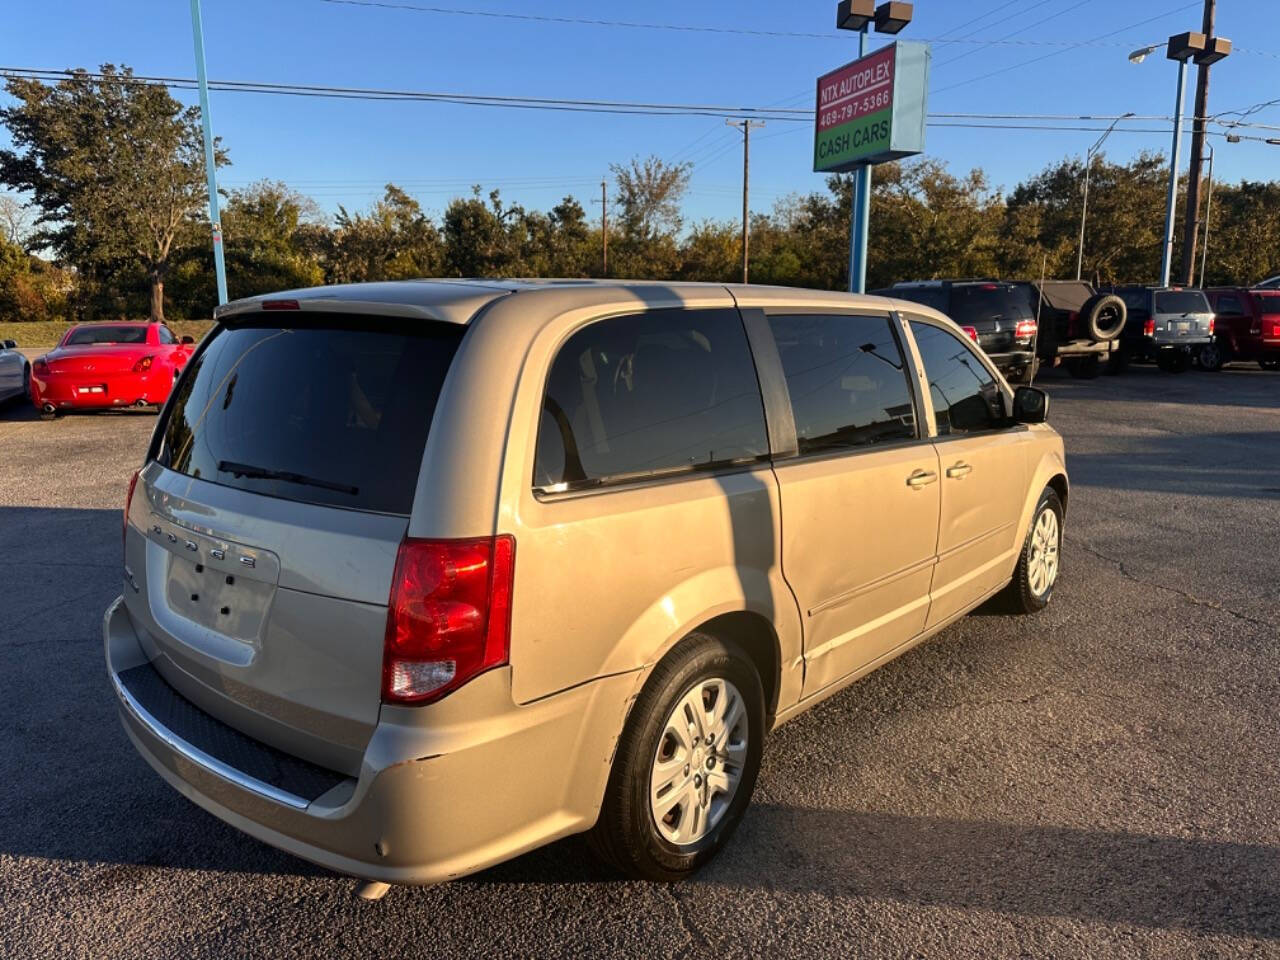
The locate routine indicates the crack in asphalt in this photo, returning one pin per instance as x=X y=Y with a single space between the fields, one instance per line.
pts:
x=1190 y=598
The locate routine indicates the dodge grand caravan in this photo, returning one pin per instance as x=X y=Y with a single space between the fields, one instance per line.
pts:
x=421 y=575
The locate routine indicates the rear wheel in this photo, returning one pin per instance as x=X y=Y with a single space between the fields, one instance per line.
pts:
x=1038 y=566
x=1210 y=358
x=686 y=762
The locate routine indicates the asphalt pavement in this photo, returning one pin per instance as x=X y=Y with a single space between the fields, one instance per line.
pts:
x=1096 y=781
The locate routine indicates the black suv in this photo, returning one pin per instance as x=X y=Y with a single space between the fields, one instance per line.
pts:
x=997 y=315
x=1078 y=326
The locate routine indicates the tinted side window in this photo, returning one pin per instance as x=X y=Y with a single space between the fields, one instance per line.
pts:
x=847 y=381
x=648 y=394
x=984 y=302
x=966 y=398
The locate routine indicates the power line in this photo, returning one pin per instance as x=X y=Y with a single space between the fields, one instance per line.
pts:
x=698 y=28
x=578 y=21
x=1024 y=29
x=1026 y=63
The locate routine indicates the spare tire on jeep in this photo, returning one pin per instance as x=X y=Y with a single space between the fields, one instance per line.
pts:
x=1102 y=317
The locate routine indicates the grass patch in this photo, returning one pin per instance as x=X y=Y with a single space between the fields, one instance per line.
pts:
x=46 y=333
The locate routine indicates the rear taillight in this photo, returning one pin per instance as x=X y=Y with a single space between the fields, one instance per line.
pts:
x=143 y=365
x=128 y=502
x=1149 y=328
x=449 y=616
x=971 y=333
x=1025 y=330
x=280 y=305
x=1211 y=319
x=39 y=365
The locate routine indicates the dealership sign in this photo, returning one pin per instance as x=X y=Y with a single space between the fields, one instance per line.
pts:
x=873 y=109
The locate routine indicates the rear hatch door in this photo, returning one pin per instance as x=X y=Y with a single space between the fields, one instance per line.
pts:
x=994 y=310
x=1182 y=316
x=263 y=536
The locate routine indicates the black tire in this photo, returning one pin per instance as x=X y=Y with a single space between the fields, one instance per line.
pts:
x=1269 y=364
x=1103 y=317
x=26 y=382
x=626 y=834
x=48 y=414
x=1083 y=368
x=1172 y=361
x=1211 y=358
x=1020 y=596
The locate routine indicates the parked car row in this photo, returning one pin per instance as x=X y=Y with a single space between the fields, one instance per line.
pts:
x=1023 y=325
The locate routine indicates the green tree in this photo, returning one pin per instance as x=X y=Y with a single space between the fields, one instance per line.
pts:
x=115 y=167
x=649 y=193
x=477 y=236
x=395 y=240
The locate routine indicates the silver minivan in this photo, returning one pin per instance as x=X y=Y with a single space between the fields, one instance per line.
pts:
x=418 y=576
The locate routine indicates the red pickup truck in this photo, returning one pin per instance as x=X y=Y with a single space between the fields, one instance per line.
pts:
x=1247 y=324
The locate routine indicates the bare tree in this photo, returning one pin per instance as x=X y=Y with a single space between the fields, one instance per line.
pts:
x=15 y=220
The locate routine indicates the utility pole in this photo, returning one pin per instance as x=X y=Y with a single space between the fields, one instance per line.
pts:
x=210 y=167
x=604 y=227
x=1191 y=227
x=745 y=126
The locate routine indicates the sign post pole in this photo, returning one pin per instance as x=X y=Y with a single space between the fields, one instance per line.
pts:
x=860 y=221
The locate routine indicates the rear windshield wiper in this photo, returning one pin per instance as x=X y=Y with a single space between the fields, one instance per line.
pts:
x=265 y=473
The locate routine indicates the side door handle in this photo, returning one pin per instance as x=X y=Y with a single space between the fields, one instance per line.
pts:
x=961 y=469
x=921 y=478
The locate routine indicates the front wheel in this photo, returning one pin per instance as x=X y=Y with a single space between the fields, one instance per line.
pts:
x=686 y=762
x=1038 y=566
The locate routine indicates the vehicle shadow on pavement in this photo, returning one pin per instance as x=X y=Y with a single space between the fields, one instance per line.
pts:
x=1165 y=882
x=1246 y=465
x=1239 y=386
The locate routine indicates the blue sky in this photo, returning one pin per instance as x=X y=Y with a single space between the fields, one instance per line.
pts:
x=343 y=152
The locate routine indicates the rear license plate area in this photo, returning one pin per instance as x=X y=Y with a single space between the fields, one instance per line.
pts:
x=225 y=602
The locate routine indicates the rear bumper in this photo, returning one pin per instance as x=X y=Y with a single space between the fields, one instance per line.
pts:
x=87 y=392
x=443 y=790
x=1013 y=359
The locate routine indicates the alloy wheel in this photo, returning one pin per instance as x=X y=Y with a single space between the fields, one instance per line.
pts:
x=1042 y=571
x=699 y=761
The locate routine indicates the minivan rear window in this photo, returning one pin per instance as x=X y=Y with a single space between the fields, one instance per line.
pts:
x=1182 y=301
x=333 y=411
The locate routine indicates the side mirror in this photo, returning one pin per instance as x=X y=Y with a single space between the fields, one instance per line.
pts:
x=11 y=344
x=1030 y=405
x=188 y=339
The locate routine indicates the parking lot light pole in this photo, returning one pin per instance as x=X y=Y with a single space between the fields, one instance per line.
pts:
x=1084 y=208
x=1181 y=48
x=210 y=166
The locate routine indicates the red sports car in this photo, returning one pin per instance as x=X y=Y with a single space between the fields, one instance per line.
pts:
x=101 y=365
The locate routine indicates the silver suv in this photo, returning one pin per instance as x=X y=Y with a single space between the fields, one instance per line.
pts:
x=1171 y=325
x=422 y=575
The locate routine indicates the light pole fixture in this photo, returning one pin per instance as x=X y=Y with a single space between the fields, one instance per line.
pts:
x=1185 y=46
x=1088 y=165
x=854 y=14
x=1142 y=53
x=1215 y=49
x=892 y=17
